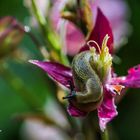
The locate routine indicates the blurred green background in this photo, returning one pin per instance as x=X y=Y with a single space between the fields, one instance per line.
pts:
x=126 y=124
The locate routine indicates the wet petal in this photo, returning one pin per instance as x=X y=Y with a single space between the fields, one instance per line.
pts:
x=56 y=71
x=102 y=27
x=132 y=80
x=75 y=112
x=107 y=110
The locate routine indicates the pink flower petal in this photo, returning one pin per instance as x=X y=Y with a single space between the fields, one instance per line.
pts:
x=132 y=80
x=74 y=39
x=118 y=13
x=107 y=110
x=102 y=27
x=56 y=71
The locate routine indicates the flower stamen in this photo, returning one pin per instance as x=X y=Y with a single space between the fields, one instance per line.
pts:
x=104 y=43
x=92 y=41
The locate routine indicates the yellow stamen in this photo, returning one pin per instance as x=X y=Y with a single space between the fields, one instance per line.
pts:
x=105 y=40
x=92 y=41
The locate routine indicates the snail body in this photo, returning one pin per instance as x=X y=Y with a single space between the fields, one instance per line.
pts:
x=88 y=85
x=91 y=71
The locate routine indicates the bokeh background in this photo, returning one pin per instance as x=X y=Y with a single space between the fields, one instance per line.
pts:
x=126 y=125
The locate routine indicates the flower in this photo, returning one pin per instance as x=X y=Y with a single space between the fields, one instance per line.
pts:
x=118 y=21
x=11 y=34
x=104 y=84
x=73 y=35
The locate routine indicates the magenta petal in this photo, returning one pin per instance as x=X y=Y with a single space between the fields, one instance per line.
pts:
x=102 y=27
x=75 y=112
x=117 y=12
x=132 y=80
x=107 y=110
x=74 y=39
x=56 y=71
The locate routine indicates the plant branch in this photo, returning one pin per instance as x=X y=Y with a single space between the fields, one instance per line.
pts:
x=105 y=135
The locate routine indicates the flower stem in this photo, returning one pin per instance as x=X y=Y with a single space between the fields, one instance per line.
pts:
x=44 y=28
x=105 y=135
x=40 y=19
x=51 y=39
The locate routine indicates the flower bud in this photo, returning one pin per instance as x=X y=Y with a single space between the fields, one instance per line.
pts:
x=11 y=33
x=78 y=12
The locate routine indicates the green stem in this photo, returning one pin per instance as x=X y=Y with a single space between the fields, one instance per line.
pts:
x=55 y=44
x=87 y=128
x=44 y=27
x=91 y=123
x=51 y=39
x=41 y=20
x=105 y=135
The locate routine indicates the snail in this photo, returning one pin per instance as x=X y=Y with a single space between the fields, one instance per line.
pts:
x=89 y=89
x=90 y=71
x=86 y=79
